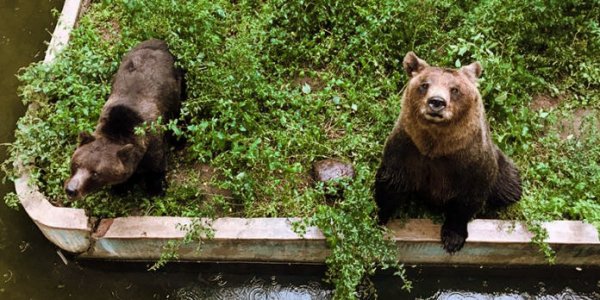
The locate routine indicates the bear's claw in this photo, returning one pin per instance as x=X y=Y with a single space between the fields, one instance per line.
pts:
x=452 y=241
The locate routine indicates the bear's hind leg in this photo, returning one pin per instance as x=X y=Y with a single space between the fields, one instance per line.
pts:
x=386 y=204
x=507 y=188
x=387 y=197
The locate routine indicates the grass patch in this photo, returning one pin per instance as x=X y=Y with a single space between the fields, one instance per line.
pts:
x=274 y=86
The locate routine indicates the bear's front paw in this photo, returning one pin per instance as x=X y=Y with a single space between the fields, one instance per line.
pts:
x=155 y=184
x=383 y=217
x=155 y=189
x=452 y=239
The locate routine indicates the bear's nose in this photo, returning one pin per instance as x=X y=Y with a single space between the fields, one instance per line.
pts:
x=70 y=192
x=436 y=104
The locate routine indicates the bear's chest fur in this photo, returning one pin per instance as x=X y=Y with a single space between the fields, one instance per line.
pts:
x=437 y=180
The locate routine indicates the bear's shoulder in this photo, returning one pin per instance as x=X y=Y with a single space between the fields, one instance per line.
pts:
x=119 y=122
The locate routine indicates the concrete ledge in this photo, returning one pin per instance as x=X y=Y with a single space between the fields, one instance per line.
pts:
x=235 y=239
x=66 y=22
x=498 y=242
x=67 y=228
x=491 y=242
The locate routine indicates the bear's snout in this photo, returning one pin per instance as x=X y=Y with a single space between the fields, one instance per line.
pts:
x=435 y=110
x=436 y=104
x=71 y=192
x=72 y=188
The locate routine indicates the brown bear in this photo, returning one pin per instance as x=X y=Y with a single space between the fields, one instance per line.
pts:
x=146 y=87
x=440 y=152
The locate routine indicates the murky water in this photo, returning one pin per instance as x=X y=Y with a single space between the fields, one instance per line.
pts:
x=30 y=267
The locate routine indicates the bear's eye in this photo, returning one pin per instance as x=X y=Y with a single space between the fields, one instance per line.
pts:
x=454 y=91
x=423 y=87
x=95 y=174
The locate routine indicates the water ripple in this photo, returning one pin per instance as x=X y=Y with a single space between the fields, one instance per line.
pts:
x=566 y=294
x=216 y=287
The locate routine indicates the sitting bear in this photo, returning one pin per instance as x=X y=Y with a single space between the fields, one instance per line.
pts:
x=146 y=87
x=440 y=152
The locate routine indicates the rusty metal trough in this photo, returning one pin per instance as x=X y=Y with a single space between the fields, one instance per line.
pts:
x=491 y=242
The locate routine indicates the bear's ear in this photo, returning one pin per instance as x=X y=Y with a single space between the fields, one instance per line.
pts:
x=473 y=71
x=126 y=153
x=413 y=64
x=85 y=138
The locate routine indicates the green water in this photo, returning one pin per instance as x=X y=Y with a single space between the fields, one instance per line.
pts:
x=30 y=267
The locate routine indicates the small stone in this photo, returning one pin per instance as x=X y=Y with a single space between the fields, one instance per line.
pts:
x=331 y=168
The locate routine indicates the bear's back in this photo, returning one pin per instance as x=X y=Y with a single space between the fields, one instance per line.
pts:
x=147 y=81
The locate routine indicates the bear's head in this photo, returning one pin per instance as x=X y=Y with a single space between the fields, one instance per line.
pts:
x=98 y=162
x=442 y=110
x=439 y=96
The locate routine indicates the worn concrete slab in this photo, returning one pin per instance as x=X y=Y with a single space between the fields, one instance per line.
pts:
x=491 y=242
x=235 y=239
x=499 y=231
x=68 y=228
x=498 y=242
x=64 y=26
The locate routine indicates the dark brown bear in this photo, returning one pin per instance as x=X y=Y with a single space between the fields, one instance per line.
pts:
x=440 y=152
x=146 y=87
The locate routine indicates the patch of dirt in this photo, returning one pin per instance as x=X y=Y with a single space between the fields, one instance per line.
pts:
x=315 y=83
x=574 y=125
x=202 y=174
x=545 y=102
x=332 y=132
x=85 y=6
x=111 y=31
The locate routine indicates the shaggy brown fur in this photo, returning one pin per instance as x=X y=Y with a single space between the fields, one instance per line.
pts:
x=147 y=86
x=440 y=151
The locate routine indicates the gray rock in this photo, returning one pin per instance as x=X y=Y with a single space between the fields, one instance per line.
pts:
x=331 y=168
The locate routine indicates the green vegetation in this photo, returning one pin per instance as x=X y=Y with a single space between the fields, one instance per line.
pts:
x=196 y=231
x=274 y=86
